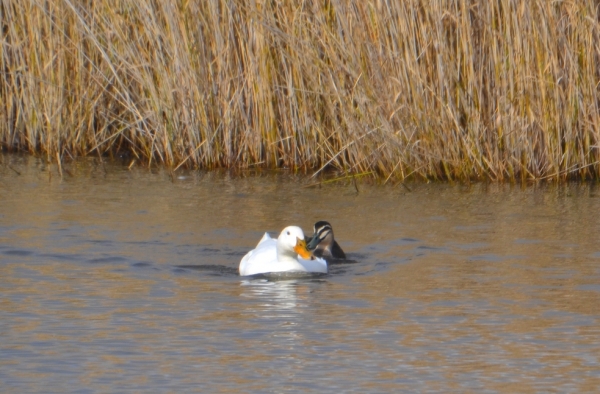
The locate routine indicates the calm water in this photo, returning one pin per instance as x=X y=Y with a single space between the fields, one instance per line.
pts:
x=125 y=280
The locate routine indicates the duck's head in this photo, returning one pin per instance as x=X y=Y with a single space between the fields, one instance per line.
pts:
x=322 y=237
x=291 y=242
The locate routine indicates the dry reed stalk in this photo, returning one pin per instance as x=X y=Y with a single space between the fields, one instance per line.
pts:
x=450 y=89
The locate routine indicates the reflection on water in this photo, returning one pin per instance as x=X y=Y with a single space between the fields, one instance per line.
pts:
x=116 y=279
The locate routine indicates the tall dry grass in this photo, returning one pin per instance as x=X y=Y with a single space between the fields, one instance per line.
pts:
x=452 y=89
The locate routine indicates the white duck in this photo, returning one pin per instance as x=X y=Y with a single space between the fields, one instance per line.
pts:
x=281 y=255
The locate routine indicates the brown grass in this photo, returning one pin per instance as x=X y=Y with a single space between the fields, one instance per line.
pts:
x=504 y=89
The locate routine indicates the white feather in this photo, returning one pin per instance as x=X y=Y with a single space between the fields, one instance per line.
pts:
x=278 y=255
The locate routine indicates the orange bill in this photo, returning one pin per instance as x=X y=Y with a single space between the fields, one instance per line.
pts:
x=300 y=248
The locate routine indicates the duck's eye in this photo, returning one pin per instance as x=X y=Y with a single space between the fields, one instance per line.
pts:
x=288 y=233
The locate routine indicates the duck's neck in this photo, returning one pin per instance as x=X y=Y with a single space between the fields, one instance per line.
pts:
x=284 y=254
x=325 y=245
x=283 y=257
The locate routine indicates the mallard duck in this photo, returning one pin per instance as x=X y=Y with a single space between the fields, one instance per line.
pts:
x=322 y=244
x=281 y=255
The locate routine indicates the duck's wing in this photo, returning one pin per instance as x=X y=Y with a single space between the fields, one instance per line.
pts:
x=259 y=260
x=337 y=252
x=264 y=238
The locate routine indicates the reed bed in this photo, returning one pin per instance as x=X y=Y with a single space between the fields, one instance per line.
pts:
x=432 y=89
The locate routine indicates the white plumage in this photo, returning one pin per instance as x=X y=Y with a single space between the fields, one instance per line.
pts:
x=281 y=255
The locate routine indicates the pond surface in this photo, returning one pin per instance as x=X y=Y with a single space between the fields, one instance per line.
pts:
x=115 y=279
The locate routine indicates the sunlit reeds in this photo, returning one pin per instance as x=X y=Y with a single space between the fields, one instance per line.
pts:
x=436 y=89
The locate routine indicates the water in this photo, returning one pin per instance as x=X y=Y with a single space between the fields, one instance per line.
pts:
x=116 y=280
